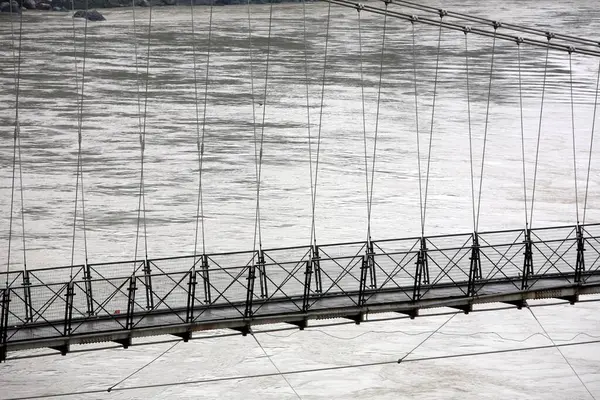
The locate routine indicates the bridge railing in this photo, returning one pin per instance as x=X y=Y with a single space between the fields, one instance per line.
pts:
x=108 y=297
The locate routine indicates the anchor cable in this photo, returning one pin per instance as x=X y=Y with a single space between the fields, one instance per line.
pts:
x=561 y=353
x=275 y=365
x=364 y=122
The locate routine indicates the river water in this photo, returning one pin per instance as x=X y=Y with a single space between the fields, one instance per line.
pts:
x=112 y=107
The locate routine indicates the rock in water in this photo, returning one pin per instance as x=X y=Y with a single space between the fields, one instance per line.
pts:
x=8 y=7
x=142 y=3
x=29 y=4
x=92 y=15
x=44 y=6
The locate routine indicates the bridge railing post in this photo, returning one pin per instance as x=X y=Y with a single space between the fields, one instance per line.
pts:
x=148 y=284
x=262 y=274
x=371 y=264
x=422 y=270
x=69 y=307
x=131 y=301
x=27 y=296
x=307 y=282
x=580 y=264
x=250 y=290
x=191 y=295
x=475 y=268
x=89 y=295
x=206 y=279
x=364 y=271
x=316 y=268
x=528 y=260
x=5 y=301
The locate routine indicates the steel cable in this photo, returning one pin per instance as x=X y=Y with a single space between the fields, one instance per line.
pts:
x=587 y=180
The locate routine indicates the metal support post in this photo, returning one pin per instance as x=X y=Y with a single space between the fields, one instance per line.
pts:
x=69 y=307
x=422 y=271
x=475 y=269
x=206 y=279
x=307 y=280
x=364 y=271
x=131 y=301
x=250 y=291
x=4 y=324
x=371 y=264
x=580 y=264
x=262 y=274
x=191 y=295
x=148 y=285
x=528 y=262
x=316 y=267
x=87 y=279
x=27 y=297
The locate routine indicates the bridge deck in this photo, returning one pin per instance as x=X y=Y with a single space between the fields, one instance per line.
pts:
x=57 y=307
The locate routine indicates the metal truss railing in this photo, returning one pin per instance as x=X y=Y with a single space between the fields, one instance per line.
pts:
x=42 y=304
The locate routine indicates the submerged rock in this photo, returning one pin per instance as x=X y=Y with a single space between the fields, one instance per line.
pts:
x=91 y=15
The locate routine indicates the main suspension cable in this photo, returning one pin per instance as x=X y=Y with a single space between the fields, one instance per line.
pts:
x=587 y=180
x=200 y=137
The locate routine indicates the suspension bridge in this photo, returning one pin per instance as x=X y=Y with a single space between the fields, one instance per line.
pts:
x=57 y=307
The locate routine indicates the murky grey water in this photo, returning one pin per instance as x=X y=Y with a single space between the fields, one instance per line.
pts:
x=111 y=160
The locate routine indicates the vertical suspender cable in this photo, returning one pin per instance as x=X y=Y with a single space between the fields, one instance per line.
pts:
x=435 y=82
x=16 y=143
x=573 y=133
x=414 y=62
x=307 y=85
x=142 y=191
x=522 y=133
x=364 y=122
x=370 y=203
x=537 y=151
x=313 y=235
x=258 y=153
x=470 y=130
x=485 y=132
x=587 y=180
x=200 y=137
x=79 y=173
